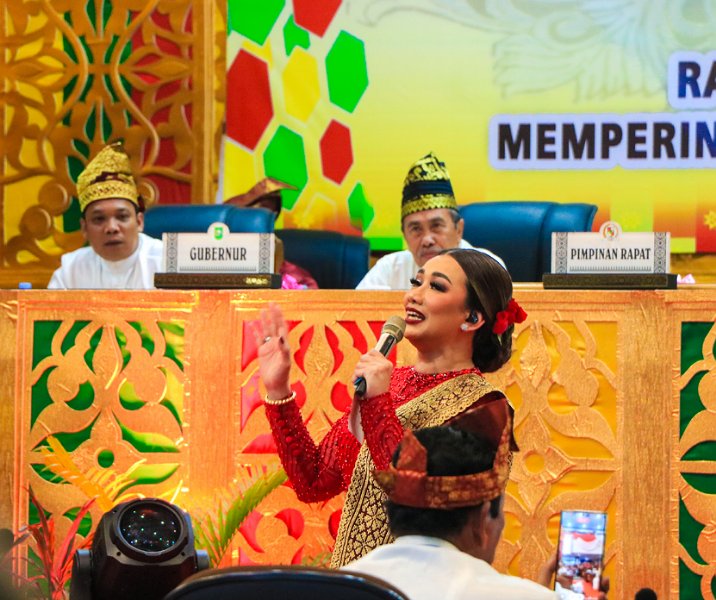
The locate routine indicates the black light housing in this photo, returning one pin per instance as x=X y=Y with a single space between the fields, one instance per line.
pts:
x=142 y=549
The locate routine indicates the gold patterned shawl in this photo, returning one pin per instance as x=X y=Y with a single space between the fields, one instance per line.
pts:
x=364 y=524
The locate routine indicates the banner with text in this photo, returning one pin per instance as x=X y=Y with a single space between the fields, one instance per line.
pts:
x=567 y=101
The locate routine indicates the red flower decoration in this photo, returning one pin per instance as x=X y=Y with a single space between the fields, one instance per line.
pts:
x=511 y=315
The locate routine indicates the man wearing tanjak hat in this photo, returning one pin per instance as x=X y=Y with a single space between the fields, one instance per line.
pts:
x=445 y=506
x=119 y=255
x=430 y=224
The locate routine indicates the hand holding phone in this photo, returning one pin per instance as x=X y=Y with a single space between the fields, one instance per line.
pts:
x=580 y=552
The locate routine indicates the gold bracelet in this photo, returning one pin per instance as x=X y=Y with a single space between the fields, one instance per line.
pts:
x=290 y=398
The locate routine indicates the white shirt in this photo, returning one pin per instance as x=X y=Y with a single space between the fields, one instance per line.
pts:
x=85 y=269
x=427 y=568
x=394 y=271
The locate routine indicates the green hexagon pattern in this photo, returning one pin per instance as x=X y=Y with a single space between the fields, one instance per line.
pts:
x=285 y=159
x=360 y=211
x=346 y=71
x=293 y=36
x=254 y=20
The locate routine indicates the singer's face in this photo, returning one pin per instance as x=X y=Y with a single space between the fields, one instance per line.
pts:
x=429 y=232
x=435 y=306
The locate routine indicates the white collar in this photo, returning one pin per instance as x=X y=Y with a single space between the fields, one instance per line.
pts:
x=424 y=540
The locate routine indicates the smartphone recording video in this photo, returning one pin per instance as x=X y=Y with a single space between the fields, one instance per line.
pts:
x=580 y=555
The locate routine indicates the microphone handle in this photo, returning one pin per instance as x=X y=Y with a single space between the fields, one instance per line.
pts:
x=360 y=386
x=384 y=346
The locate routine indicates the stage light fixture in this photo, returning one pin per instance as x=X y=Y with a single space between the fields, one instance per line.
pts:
x=142 y=549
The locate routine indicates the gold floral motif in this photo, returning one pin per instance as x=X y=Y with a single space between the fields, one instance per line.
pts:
x=559 y=422
x=99 y=85
x=700 y=429
x=594 y=379
x=117 y=386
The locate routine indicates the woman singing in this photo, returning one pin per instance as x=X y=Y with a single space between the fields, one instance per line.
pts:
x=460 y=317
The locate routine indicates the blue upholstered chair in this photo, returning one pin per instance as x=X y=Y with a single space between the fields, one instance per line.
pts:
x=521 y=232
x=283 y=583
x=336 y=261
x=196 y=218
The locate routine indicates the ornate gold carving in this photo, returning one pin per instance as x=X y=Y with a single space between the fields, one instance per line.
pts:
x=698 y=498
x=130 y=386
x=595 y=380
x=75 y=81
x=560 y=422
x=109 y=385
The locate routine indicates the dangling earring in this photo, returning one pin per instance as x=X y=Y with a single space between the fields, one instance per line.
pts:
x=464 y=327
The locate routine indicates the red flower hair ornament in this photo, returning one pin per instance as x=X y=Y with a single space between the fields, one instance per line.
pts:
x=511 y=315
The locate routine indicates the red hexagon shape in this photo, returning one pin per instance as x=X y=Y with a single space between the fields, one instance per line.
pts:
x=336 y=151
x=249 y=109
x=315 y=15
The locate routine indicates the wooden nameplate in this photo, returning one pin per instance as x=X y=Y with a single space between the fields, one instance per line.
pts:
x=214 y=281
x=609 y=281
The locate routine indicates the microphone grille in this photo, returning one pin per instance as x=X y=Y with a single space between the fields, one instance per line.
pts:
x=394 y=326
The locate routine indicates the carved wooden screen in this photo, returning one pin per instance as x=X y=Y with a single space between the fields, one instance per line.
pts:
x=76 y=75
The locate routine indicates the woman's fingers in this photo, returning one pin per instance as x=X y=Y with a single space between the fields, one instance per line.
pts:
x=272 y=321
x=373 y=360
x=376 y=370
x=257 y=332
x=281 y=328
x=270 y=333
x=266 y=323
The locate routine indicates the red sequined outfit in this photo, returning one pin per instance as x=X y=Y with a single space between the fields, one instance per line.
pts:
x=319 y=472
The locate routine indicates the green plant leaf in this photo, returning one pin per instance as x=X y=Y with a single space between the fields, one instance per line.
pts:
x=214 y=534
x=104 y=485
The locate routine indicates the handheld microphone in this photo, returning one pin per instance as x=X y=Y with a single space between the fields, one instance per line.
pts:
x=391 y=334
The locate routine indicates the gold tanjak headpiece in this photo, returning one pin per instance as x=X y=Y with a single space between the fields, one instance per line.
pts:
x=427 y=186
x=407 y=483
x=108 y=175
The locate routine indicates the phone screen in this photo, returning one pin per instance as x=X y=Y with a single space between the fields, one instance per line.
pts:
x=581 y=552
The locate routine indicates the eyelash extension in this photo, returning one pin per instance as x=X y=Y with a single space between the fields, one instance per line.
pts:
x=434 y=284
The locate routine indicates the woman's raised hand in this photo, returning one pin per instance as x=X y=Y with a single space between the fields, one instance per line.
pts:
x=273 y=352
x=376 y=370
